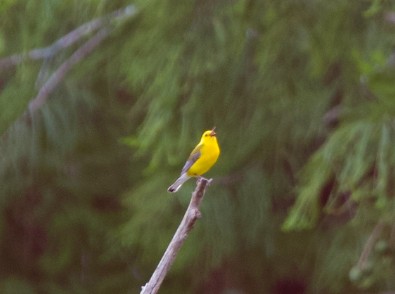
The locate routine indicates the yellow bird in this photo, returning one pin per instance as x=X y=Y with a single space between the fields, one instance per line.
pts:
x=202 y=158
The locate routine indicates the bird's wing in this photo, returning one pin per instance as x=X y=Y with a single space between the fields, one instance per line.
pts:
x=195 y=155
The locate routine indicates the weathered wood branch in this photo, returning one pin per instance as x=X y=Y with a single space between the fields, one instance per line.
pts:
x=191 y=215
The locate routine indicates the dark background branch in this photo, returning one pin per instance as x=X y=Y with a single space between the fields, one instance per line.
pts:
x=67 y=40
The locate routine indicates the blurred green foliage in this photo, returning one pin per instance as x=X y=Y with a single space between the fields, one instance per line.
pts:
x=302 y=95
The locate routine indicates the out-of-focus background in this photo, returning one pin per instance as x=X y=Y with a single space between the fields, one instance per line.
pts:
x=101 y=102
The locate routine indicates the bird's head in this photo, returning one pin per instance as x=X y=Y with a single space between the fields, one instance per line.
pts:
x=209 y=135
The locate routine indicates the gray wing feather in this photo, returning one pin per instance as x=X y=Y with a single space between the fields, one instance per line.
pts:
x=191 y=160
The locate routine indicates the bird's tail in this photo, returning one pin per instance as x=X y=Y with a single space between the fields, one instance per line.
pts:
x=178 y=183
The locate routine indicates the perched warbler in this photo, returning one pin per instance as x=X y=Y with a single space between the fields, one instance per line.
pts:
x=202 y=158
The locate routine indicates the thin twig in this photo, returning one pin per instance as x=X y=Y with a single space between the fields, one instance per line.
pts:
x=186 y=225
x=376 y=233
x=68 y=39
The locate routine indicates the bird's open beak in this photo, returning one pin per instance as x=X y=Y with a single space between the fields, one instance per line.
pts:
x=213 y=133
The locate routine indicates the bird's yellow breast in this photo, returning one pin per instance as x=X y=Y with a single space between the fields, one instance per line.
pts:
x=209 y=153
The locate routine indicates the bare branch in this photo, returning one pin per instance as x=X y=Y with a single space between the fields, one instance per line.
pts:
x=186 y=225
x=51 y=84
x=106 y=23
x=66 y=66
x=68 y=39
